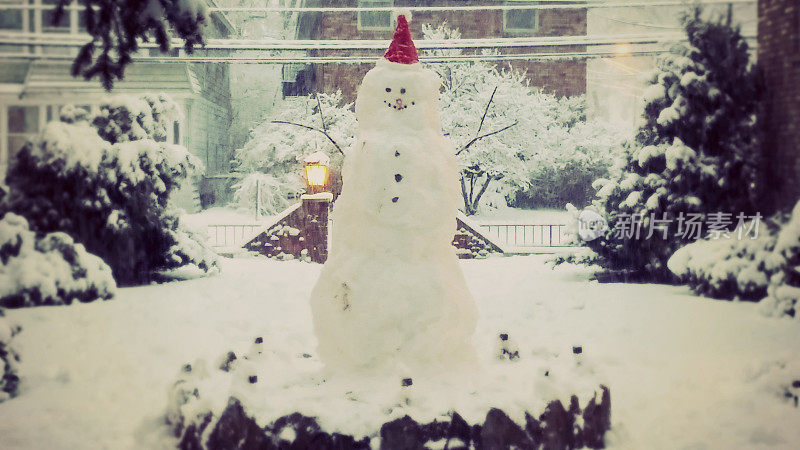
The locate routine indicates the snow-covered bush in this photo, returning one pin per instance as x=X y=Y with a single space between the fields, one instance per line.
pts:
x=271 y=162
x=736 y=266
x=47 y=270
x=783 y=293
x=106 y=181
x=9 y=358
x=695 y=153
x=549 y=158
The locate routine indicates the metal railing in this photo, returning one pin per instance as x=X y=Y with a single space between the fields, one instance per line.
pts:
x=527 y=235
x=231 y=235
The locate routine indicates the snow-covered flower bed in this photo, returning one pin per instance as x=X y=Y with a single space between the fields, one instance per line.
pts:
x=216 y=403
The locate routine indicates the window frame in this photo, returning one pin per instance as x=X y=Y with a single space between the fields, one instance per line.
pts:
x=374 y=4
x=536 y=17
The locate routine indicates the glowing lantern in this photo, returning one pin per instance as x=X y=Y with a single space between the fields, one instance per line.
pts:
x=317 y=172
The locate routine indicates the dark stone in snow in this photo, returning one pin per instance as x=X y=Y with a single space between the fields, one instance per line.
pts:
x=499 y=431
x=187 y=368
x=596 y=420
x=407 y=382
x=459 y=429
x=395 y=199
x=227 y=362
x=796 y=384
x=253 y=379
x=236 y=430
x=577 y=349
x=396 y=153
x=503 y=336
x=401 y=434
x=557 y=425
x=398 y=177
x=259 y=340
x=534 y=429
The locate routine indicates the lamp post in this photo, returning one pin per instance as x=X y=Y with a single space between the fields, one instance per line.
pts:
x=315 y=205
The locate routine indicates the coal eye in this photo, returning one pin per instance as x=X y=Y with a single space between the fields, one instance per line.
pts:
x=388 y=89
x=402 y=90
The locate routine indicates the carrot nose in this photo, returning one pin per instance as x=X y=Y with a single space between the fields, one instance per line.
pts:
x=399 y=103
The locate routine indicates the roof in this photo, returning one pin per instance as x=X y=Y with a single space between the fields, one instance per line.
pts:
x=42 y=77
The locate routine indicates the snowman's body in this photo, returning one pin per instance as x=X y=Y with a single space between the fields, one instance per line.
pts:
x=392 y=293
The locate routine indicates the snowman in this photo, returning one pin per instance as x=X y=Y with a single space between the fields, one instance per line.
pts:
x=391 y=296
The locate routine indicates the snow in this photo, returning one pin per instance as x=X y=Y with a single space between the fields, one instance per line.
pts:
x=318 y=196
x=684 y=372
x=317 y=157
x=70 y=146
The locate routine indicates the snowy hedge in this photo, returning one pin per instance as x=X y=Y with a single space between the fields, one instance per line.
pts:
x=696 y=153
x=9 y=380
x=106 y=181
x=783 y=293
x=737 y=266
x=47 y=270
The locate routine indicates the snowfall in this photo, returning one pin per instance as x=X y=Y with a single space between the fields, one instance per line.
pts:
x=683 y=371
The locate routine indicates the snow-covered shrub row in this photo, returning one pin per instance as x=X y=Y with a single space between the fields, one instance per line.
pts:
x=270 y=163
x=783 y=293
x=48 y=270
x=549 y=158
x=695 y=153
x=106 y=181
x=9 y=358
x=736 y=266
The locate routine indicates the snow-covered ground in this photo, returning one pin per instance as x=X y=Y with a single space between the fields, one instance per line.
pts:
x=684 y=372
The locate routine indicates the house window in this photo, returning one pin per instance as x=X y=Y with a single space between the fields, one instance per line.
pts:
x=375 y=20
x=23 y=125
x=520 y=20
x=38 y=17
x=297 y=79
x=12 y=20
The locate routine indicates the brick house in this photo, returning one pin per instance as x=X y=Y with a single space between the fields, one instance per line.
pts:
x=564 y=77
x=35 y=82
x=779 y=58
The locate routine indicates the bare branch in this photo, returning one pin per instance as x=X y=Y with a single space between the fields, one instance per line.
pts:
x=312 y=129
x=478 y=138
x=321 y=115
x=486 y=111
x=483 y=189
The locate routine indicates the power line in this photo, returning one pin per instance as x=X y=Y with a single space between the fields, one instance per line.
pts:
x=542 y=56
x=49 y=39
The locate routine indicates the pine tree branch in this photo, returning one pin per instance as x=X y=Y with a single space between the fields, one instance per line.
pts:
x=478 y=138
x=312 y=129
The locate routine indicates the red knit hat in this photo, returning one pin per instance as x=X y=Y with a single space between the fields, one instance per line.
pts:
x=402 y=49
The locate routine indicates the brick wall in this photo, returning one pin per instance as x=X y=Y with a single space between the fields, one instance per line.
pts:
x=779 y=58
x=559 y=77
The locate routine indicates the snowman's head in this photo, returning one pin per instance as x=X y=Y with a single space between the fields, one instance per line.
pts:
x=395 y=94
